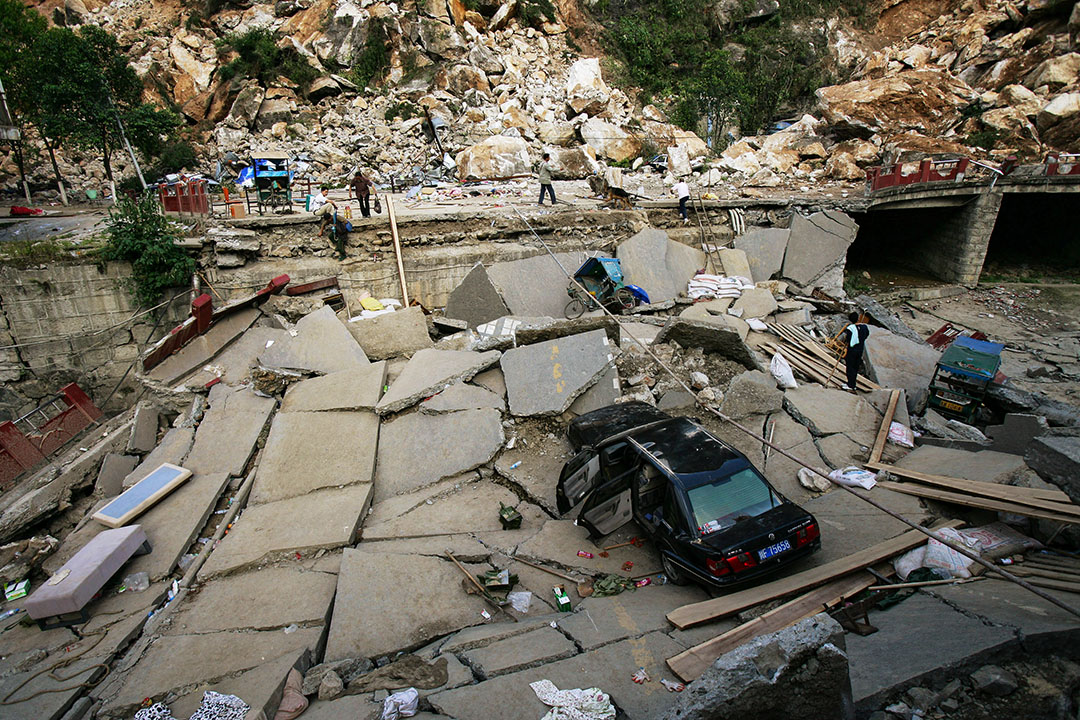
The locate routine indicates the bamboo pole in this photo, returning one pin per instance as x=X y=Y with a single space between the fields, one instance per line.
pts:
x=397 y=251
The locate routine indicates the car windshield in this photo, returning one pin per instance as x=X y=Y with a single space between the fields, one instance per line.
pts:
x=719 y=505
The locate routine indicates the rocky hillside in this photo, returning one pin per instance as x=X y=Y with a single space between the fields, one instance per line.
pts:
x=986 y=78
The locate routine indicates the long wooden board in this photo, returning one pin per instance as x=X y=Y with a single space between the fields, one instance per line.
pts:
x=1027 y=571
x=977 y=501
x=883 y=431
x=1073 y=587
x=1010 y=493
x=716 y=608
x=689 y=664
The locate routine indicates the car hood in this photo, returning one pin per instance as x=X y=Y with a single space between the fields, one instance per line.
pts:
x=753 y=533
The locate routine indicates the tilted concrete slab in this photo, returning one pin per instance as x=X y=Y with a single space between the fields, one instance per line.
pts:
x=764 y=248
x=233 y=365
x=637 y=333
x=825 y=411
x=261 y=687
x=602 y=393
x=493 y=380
x=699 y=313
x=286 y=594
x=657 y=264
x=437 y=604
x=321 y=344
x=179 y=663
x=459 y=508
x=538 y=472
x=543 y=379
x=306 y=451
x=203 y=348
x=110 y=481
x=817 y=244
x=430 y=371
x=56 y=697
x=450 y=443
x=535 y=286
x=522 y=652
x=398 y=333
x=357 y=389
x=319 y=520
x=734 y=262
x=710 y=337
x=480 y=636
x=601 y=620
x=755 y=303
x=173 y=448
x=227 y=434
x=144 y=430
x=509 y=697
x=476 y=300
x=463 y=396
x=893 y=361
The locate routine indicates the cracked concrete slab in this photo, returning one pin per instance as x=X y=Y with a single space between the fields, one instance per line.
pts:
x=558 y=542
x=984 y=465
x=458 y=508
x=227 y=434
x=542 y=645
x=57 y=697
x=347 y=706
x=480 y=636
x=493 y=380
x=173 y=448
x=324 y=519
x=764 y=248
x=476 y=300
x=261 y=687
x=203 y=348
x=385 y=336
x=179 y=663
x=509 y=697
x=321 y=344
x=429 y=372
x=535 y=286
x=466 y=548
x=538 y=471
x=453 y=443
x=893 y=361
x=630 y=614
x=735 y=262
x=306 y=451
x=144 y=428
x=437 y=603
x=463 y=396
x=825 y=411
x=817 y=244
x=658 y=264
x=356 y=389
x=286 y=594
x=602 y=393
x=710 y=337
x=545 y=378
x=110 y=481
x=233 y=365
x=784 y=473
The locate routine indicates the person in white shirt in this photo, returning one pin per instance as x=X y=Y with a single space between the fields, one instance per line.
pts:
x=324 y=207
x=682 y=191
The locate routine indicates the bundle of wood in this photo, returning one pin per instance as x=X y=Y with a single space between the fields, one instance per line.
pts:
x=809 y=358
x=1053 y=572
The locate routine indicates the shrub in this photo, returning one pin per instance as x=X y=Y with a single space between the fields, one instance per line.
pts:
x=370 y=63
x=138 y=233
x=259 y=57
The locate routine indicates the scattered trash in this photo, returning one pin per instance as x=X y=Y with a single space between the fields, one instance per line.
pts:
x=509 y=517
x=585 y=554
x=641 y=676
x=588 y=704
x=520 y=600
x=635 y=541
x=781 y=370
x=516 y=465
x=562 y=601
x=400 y=704
x=672 y=685
x=612 y=585
x=14 y=591
x=852 y=476
x=485 y=614
x=628 y=566
x=8 y=613
x=290 y=629
x=901 y=435
x=643 y=582
x=137 y=582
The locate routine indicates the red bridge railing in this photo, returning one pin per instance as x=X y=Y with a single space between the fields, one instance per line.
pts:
x=187 y=196
x=887 y=176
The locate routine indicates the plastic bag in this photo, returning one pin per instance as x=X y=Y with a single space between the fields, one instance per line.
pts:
x=400 y=705
x=520 y=600
x=854 y=477
x=901 y=435
x=940 y=555
x=781 y=370
x=137 y=582
x=377 y=206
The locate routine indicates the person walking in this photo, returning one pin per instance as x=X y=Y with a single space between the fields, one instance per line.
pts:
x=544 y=173
x=682 y=191
x=363 y=188
x=855 y=336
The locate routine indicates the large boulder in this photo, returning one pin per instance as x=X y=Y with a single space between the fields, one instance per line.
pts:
x=275 y=110
x=441 y=39
x=323 y=87
x=1058 y=110
x=561 y=134
x=573 y=163
x=462 y=78
x=1024 y=100
x=1013 y=129
x=928 y=101
x=198 y=70
x=586 y=91
x=1055 y=72
x=494 y=157
x=610 y=140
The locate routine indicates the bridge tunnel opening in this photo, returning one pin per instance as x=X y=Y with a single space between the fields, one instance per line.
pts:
x=1035 y=236
x=901 y=247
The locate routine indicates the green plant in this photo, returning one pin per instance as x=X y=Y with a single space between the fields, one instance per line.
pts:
x=137 y=232
x=259 y=56
x=370 y=63
x=985 y=139
x=37 y=251
x=533 y=13
x=402 y=109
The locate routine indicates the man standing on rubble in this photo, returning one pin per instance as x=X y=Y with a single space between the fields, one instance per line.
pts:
x=855 y=336
x=682 y=191
x=362 y=187
x=544 y=173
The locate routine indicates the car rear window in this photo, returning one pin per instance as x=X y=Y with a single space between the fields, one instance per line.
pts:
x=718 y=505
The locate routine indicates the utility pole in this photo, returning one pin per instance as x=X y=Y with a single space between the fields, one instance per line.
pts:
x=10 y=131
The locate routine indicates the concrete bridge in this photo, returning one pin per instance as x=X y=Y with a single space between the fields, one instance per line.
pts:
x=943 y=218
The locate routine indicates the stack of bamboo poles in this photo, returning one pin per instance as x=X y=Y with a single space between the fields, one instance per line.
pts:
x=809 y=358
x=1053 y=572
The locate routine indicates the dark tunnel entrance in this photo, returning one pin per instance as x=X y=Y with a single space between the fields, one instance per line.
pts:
x=1035 y=236
x=898 y=245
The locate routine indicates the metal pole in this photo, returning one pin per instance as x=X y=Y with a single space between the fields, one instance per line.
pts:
x=914 y=526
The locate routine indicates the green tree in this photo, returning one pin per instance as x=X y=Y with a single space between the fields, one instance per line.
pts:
x=139 y=234
x=19 y=28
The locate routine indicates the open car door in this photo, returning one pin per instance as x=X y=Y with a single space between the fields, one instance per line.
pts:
x=608 y=508
x=580 y=475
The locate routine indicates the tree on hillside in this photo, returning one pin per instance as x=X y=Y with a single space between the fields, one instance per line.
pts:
x=19 y=26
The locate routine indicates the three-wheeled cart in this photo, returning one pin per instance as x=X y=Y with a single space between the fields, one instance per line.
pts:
x=272 y=182
x=602 y=279
x=962 y=375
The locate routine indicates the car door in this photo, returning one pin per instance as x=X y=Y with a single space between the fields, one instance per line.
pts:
x=608 y=507
x=579 y=475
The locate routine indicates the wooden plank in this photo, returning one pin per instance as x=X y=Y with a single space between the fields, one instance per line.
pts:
x=1057 y=567
x=976 y=501
x=397 y=251
x=1058 y=560
x=883 y=431
x=1035 y=493
x=716 y=608
x=1006 y=493
x=1026 y=570
x=689 y=664
x=1054 y=584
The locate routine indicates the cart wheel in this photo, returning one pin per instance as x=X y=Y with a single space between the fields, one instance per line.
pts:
x=625 y=299
x=574 y=309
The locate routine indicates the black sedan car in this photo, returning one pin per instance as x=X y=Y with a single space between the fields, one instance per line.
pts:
x=710 y=513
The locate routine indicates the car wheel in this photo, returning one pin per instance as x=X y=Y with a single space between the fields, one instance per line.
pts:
x=675 y=575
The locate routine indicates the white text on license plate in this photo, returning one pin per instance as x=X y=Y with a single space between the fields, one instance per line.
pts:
x=772 y=550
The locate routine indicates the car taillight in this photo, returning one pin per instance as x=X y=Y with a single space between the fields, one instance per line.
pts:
x=808 y=534
x=742 y=561
x=719 y=568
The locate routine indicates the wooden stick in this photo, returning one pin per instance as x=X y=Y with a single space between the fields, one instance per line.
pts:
x=584 y=588
x=397 y=251
x=976 y=501
x=1007 y=493
x=927 y=583
x=883 y=431
x=478 y=586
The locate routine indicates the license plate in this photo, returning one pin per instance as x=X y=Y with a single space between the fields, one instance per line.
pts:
x=951 y=405
x=774 y=550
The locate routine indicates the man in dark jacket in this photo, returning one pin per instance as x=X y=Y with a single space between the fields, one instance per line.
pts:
x=854 y=336
x=362 y=186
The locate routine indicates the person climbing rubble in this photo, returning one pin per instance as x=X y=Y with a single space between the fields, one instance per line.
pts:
x=854 y=336
x=682 y=191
